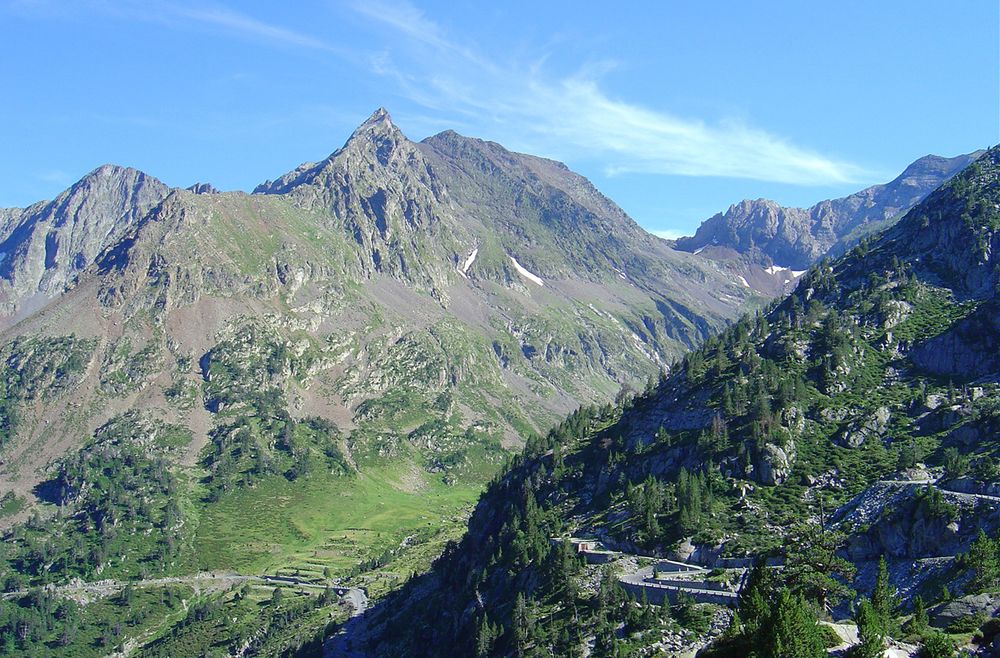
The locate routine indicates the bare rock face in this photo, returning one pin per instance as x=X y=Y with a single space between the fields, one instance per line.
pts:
x=202 y=188
x=383 y=194
x=969 y=349
x=44 y=247
x=798 y=237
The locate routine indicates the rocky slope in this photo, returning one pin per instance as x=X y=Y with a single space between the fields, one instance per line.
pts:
x=795 y=238
x=798 y=434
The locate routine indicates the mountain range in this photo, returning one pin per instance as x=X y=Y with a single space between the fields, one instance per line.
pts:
x=494 y=288
x=227 y=420
x=795 y=238
x=311 y=381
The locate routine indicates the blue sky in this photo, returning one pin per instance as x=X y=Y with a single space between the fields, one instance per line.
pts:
x=673 y=109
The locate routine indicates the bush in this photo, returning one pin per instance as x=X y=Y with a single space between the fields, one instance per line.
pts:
x=967 y=624
x=937 y=645
x=829 y=636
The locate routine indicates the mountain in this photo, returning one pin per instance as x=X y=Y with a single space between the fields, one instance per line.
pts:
x=203 y=391
x=854 y=420
x=796 y=238
x=44 y=247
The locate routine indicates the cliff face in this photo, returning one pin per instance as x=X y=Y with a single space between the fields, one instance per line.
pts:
x=46 y=246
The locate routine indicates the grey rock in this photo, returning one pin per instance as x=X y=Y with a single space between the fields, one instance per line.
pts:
x=945 y=613
x=773 y=464
x=48 y=244
x=202 y=188
x=971 y=348
x=865 y=428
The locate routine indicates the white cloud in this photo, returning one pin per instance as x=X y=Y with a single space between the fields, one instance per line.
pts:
x=177 y=14
x=574 y=117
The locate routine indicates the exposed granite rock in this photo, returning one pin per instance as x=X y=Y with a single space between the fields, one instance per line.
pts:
x=862 y=429
x=773 y=464
x=970 y=349
x=968 y=606
x=202 y=188
x=48 y=244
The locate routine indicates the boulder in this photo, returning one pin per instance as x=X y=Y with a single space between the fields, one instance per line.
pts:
x=944 y=614
x=774 y=464
x=865 y=428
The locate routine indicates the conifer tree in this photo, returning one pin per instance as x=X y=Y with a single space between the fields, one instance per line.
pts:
x=982 y=558
x=792 y=631
x=919 y=621
x=884 y=599
x=871 y=631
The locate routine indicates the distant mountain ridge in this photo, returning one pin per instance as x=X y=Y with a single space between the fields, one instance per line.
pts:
x=798 y=237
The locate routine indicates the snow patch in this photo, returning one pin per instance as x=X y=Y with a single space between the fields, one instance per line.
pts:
x=698 y=250
x=525 y=273
x=743 y=280
x=469 y=261
x=778 y=269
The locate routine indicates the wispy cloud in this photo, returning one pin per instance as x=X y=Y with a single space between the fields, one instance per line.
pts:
x=246 y=26
x=177 y=14
x=575 y=117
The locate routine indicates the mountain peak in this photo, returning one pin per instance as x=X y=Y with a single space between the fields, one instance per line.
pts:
x=381 y=115
x=379 y=123
x=377 y=135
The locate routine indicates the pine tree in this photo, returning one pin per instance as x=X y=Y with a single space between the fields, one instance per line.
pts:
x=754 y=606
x=982 y=558
x=919 y=621
x=884 y=599
x=813 y=568
x=871 y=631
x=792 y=631
x=520 y=629
x=485 y=637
